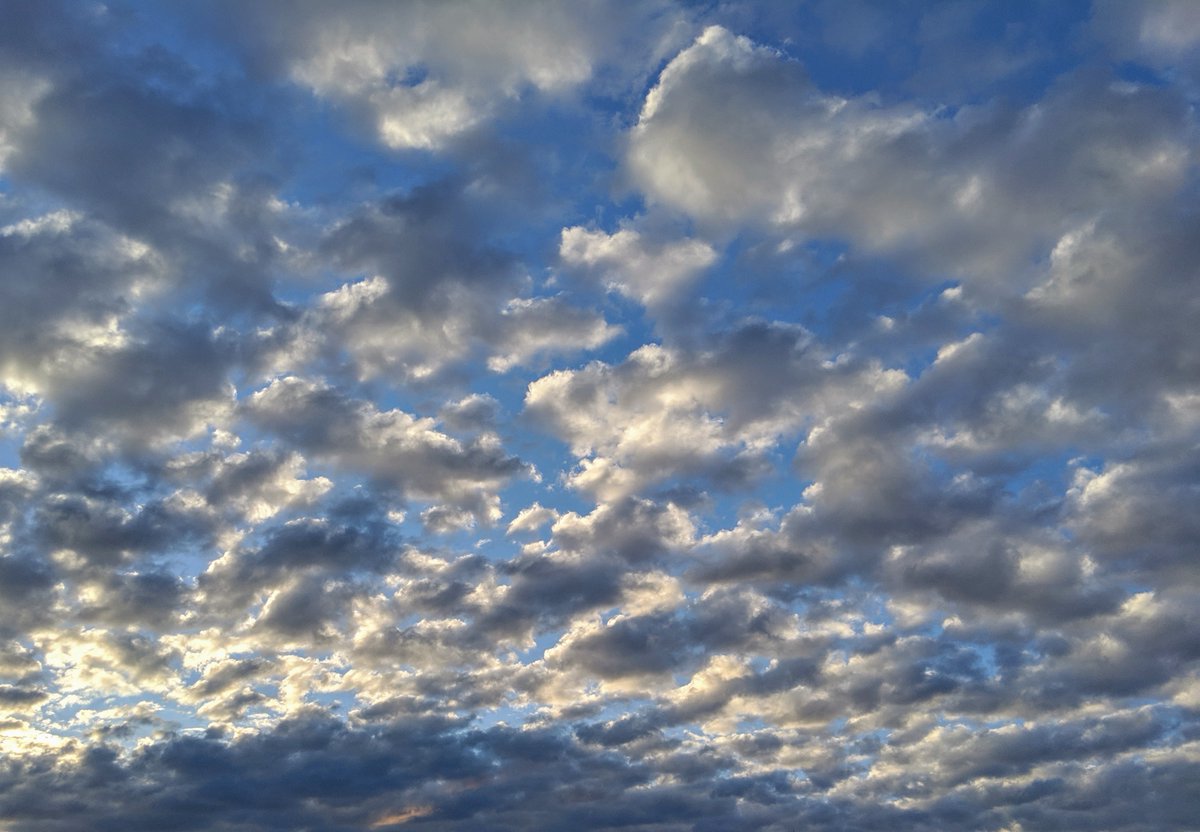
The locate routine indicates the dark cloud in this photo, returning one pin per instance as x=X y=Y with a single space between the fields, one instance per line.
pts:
x=394 y=449
x=104 y=533
x=152 y=599
x=26 y=587
x=322 y=774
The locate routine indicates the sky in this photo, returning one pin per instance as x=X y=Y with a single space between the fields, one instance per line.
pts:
x=644 y=415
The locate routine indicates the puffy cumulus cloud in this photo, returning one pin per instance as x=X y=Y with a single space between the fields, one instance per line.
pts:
x=713 y=413
x=94 y=662
x=1115 y=299
x=436 y=295
x=439 y=773
x=651 y=272
x=396 y=450
x=477 y=411
x=535 y=327
x=510 y=776
x=79 y=281
x=734 y=132
x=531 y=518
x=422 y=74
x=153 y=599
x=28 y=591
x=1134 y=513
x=636 y=530
x=254 y=485
x=166 y=384
x=100 y=531
x=726 y=420
x=195 y=187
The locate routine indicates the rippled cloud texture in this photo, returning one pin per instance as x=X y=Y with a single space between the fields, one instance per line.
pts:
x=593 y=415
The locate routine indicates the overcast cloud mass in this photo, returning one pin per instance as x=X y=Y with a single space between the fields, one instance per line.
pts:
x=590 y=416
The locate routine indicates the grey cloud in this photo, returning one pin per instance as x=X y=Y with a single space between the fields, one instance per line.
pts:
x=1136 y=512
x=474 y=412
x=1034 y=576
x=105 y=533
x=166 y=384
x=304 y=609
x=196 y=150
x=393 y=448
x=702 y=412
x=1135 y=649
x=671 y=640
x=143 y=599
x=635 y=530
x=1118 y=299
x=436 y=293
x=294 y=559
x=868 y=496
x=975 y=194
x=256 y=485
x=17 y=698
x=520 y=780
x=999 y=753
x=425 y=75
x=631 y=647
x=219 y=677
x=60 y=457
x=550 y=590
x=27 y=589
x=17 y=663
x=73 y=280
x=1166 y=36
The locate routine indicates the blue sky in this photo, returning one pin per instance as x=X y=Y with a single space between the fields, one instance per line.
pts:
x=594 y=416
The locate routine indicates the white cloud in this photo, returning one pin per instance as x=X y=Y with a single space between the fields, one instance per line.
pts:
x=652 y=273
x=531 y=518
x=666 y=412
x=538 y=327
x=423 y=73
x=734 y=133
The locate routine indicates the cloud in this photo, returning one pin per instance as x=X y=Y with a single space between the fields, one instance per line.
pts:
x=532 y=518
x=667 y=411
x=650 y=273
x=422 y=75
x=393 y=448
x=541 y=416
x=256 y=485
x=434 y=298
x=88 y=279
x=734 y=132
x=1165 y=36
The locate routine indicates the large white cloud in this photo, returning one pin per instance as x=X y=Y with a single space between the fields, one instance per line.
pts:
x=421 y=74
x=735 y=133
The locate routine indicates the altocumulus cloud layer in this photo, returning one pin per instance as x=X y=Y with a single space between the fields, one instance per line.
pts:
x=581 y=416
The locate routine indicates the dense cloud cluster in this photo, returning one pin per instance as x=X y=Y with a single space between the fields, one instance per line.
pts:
x=560 y=416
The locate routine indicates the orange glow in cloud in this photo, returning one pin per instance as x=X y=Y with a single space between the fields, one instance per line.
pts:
x=403 y=816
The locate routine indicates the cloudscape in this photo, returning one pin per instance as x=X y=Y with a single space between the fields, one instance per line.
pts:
x=643 y=415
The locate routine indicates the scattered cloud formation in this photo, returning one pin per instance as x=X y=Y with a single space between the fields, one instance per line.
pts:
x=545 y=416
